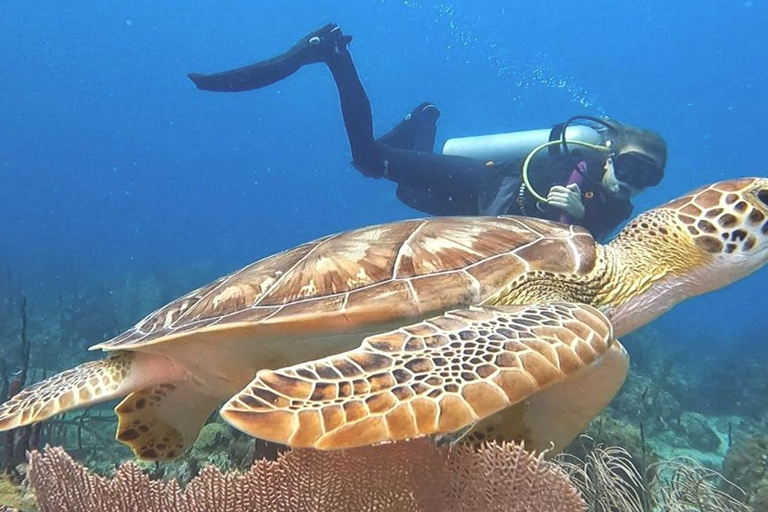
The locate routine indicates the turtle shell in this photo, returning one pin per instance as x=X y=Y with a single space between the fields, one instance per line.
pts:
x=387 y=274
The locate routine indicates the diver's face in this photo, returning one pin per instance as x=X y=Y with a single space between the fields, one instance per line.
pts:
x=614 y=185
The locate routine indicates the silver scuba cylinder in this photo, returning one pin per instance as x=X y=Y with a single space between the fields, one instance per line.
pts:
x=507 y=147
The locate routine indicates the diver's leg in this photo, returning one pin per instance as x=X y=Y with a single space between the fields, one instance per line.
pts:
x=315 y=47
x=356 y=111
x=382 y=157
x=417 y=169
x=421 y=170
x=434 y=183
x=328 y=45
x=416 y=131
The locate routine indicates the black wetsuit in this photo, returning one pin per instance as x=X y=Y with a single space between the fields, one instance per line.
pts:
x=436 y=184
x=502 y=192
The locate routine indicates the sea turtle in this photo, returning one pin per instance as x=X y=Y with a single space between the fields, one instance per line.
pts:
x=474 y=327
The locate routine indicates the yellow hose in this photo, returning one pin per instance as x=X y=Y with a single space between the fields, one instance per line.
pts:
x=533 y=152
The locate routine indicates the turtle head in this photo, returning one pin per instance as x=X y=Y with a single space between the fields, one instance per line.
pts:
x=697 y=243
x=725 y=229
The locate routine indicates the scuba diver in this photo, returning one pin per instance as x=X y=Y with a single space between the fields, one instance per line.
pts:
x=583 y=171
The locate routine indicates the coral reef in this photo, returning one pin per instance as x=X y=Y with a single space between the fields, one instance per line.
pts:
x=694 y=428
x=724 y=382
x=14 y=496
x=660 y=395
x=746 y=464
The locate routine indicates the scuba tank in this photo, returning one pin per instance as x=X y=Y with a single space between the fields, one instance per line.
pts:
x=508 y=147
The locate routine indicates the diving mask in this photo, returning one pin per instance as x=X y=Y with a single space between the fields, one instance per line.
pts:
x=637 y=169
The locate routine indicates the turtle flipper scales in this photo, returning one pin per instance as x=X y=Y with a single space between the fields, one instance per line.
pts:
x=433 y=377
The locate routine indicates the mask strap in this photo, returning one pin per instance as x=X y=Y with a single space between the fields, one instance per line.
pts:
x=570 y=120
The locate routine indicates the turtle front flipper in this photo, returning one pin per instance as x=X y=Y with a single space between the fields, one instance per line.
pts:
x=434 y=377
x=86 y=384
x=117 y=375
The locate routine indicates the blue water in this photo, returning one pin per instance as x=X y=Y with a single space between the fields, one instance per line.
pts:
x=112 y=162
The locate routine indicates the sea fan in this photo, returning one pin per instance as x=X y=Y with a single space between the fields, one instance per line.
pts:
x=409 y=476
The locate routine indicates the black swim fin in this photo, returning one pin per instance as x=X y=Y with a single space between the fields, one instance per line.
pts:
x=317 y=46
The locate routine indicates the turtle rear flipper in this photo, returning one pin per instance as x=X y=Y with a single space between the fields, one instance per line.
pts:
x=433 y=377
x=90 y=383
x=160 y=423
x=553 y=417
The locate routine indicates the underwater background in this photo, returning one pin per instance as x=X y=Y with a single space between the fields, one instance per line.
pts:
x=122 y=186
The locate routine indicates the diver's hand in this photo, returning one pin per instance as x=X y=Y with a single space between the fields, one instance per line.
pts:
x=567 y=199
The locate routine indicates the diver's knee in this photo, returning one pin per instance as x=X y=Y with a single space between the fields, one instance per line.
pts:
x=370 y=169
x=426 y=111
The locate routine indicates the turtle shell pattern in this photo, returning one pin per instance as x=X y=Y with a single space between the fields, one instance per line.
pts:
x=381 y=274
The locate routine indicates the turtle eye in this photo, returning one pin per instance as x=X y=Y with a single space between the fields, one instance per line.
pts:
x=762 y=195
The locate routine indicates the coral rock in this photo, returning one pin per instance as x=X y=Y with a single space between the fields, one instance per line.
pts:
x=698 y=433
